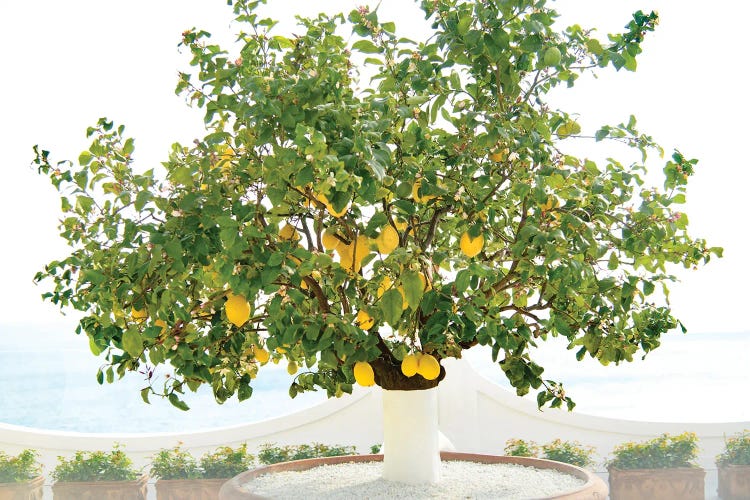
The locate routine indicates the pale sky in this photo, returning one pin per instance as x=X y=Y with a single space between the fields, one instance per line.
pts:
x=68 y=63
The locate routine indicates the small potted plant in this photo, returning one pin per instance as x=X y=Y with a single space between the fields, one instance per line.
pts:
x=21 y=476
x=569 y=452
x=663 y=468
x=180 y=477
x=272 y=454
x=521 y=448
x=94 y=475
x=734 y=468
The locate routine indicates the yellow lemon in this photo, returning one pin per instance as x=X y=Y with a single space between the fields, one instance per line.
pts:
x=292 y=368
x=551 y=203
x=288 y=233
x=364 y=320
x=426 y=286
x=471 y=246
x=428 y=367
x=400 y=224
x=260 y=354
x=330 y=240
x=498 y=155
x=329 y=206
x=353 y=253
x=346 y=257
x=162 y=324
x=237 y=309
x=282 y=349
x=363 y=373
x=404 y=302
x=415 y=193
x=138 y=314
x=409 y=365
x=361 y=248
x=387 y=241
x=385 y=285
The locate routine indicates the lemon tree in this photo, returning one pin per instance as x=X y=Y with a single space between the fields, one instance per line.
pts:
x=360 y=229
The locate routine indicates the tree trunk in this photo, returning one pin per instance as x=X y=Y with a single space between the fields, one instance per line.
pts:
x=411 y=444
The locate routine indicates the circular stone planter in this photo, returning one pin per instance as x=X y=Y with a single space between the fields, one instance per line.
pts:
x=593 y=488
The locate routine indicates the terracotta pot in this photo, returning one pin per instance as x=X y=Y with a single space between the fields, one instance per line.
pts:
x=29 y=490
x=593 y=489
x=189 y=489
x=101 y=490
x=734 y=482
x=685 y=483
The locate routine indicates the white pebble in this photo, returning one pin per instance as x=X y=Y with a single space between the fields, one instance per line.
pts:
x=459 y=480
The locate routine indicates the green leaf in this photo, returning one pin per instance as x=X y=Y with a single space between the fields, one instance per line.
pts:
x=244 y=392
x=141 y=199
x=144 y=395
x=95 y=350
x=606 y=284
x=594 y=46
x=413 y=288
x=464 y=24
x=366 y=47
x=85 y=158
x=132 y=343
x=614 y=261
x=602 y=133
x=462 y=280
x=177 y=402
x=391 y=305
x=283 y=42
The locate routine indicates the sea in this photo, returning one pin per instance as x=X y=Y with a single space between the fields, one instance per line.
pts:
x=48 y=381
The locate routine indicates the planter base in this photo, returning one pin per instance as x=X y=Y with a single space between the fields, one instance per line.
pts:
x=593 y=489
x=734 y=482
x=664 y=484
x=101 y=490
x=189 y=489
x=30 y=490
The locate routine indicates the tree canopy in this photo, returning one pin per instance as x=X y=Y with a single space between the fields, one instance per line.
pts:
x=360 y=199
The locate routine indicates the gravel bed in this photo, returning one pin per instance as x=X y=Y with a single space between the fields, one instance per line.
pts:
x=459 y=480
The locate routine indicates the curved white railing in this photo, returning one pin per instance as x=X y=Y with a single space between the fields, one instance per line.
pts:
x=475 y=414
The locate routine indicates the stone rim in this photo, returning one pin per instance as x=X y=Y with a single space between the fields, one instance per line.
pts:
x=594 y=487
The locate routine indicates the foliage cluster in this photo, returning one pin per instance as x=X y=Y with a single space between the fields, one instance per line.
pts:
x=521 y=448
x=95 y=466
x=224 y=462
x=570 y=452
x=271 y=454
x=663 y=452
x=19 y=468
x=326 y=221
x=175 y=463
x=736 y=450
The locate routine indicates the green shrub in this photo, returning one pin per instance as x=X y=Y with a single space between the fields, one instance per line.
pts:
x=662 y=452
x=95 y=466
x=736 y=450
x=226 y=462
x=175 y=464
x=375 y=449
x=20 y=468
x=521 y=448
x=271 y=454
x=569 y=452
